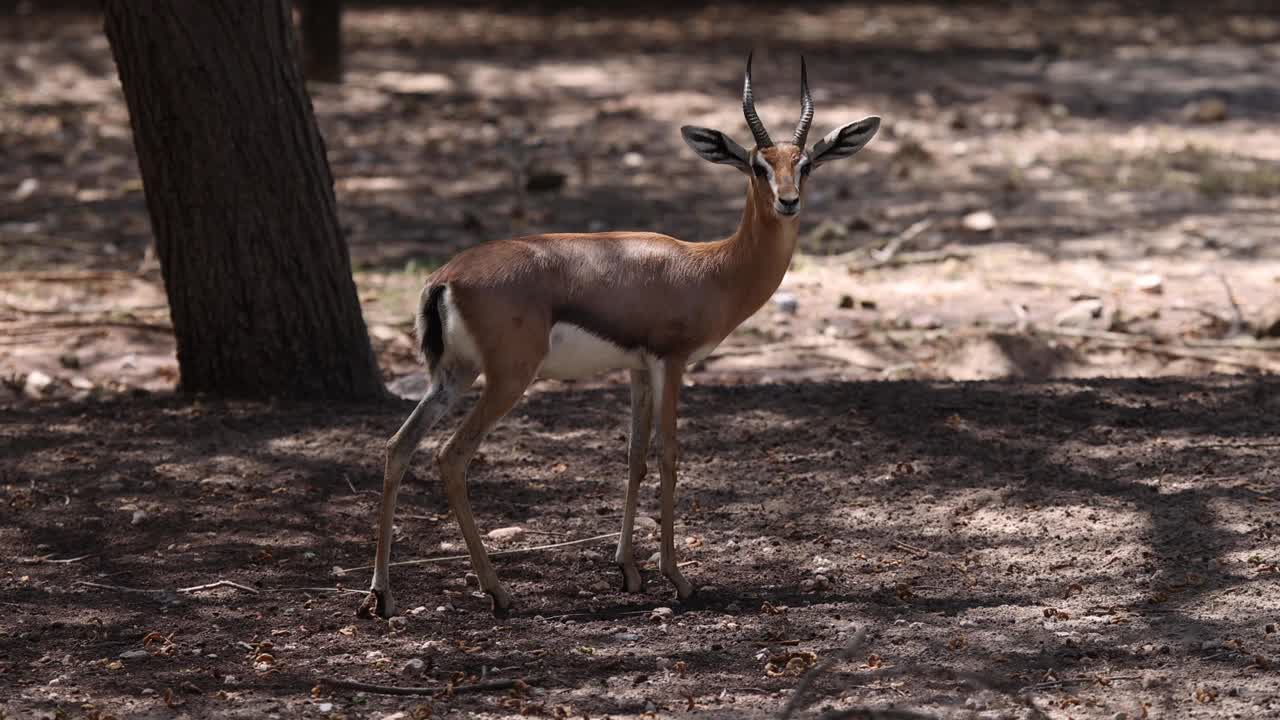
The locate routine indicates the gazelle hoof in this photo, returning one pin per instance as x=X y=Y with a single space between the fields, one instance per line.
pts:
x=377 y=603
x=632 y=582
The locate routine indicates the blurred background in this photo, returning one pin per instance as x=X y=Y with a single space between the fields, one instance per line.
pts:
x=1059 y=189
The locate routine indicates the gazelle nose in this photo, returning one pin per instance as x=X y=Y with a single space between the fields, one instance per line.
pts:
x=788 y=203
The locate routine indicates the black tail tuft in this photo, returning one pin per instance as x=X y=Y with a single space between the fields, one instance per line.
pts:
x=432 y=327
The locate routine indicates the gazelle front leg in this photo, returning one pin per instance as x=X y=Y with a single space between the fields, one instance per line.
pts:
x=667 y=393
x=637 y=452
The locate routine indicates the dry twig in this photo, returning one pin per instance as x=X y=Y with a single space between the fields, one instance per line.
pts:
x=218 y=584
x=512 y=551
x=431 y=690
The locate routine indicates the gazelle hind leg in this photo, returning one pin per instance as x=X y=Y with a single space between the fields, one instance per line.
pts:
x=666 y=395
x=498 y=397
x=637 y=452
x=446 y=387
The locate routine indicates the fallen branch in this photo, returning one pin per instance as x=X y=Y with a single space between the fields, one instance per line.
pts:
x=65 y=276
x=432 y=690
x=891 y=248
x=919 y=553
x=40 y=327
x=318 y=589
x=218 y=584
x=119 y=588
x=1147 y=344
x=1076 y=681
x=1237 y=323
x=513 y=551
x=918 y=258
x=48 y=559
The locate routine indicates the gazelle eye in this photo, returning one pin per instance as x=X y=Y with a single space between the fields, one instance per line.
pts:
x=760 y=171
x=804 y=169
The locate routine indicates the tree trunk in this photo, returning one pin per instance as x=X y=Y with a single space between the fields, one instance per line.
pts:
x=322 y=39
x=241 y=201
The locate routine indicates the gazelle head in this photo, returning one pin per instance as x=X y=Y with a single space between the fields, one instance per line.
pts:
x=778 y=170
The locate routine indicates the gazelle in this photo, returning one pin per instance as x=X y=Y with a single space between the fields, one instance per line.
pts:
x=571 y=305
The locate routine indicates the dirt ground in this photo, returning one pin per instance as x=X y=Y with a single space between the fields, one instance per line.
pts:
x=1056 y=262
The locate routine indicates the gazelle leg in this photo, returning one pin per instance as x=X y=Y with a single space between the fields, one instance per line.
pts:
x=667 y=393
x=637 y=450
x=497 y=398
x=448 y=385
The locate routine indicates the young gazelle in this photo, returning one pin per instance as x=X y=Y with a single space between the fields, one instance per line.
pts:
x=567 y=306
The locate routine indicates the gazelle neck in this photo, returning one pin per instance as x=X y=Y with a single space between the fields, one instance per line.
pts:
x=759 y=251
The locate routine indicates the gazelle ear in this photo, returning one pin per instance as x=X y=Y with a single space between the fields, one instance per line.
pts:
x=844 y=140
x=717 y=147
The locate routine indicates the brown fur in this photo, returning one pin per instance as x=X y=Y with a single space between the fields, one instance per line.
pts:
x=635 y=289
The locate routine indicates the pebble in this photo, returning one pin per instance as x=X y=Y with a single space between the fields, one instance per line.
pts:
x=139 y=517
x=36 y=383
x=632 y=159
x=326 y=707
x=1152 y=284
x=133 y=654
x=980 y=221
x=786 y=303
x=601 y=586
x=661 y=614
x=645 y=522
x=414 y=666
x=399 y=622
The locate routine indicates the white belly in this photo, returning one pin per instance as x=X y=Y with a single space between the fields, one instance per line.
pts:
x=576 y=353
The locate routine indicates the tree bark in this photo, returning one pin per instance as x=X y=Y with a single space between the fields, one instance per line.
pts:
x=241 y=201
x=321 y=23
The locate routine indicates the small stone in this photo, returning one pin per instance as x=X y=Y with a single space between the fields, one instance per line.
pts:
x=399 y=622
x=1207 y=110
x=1269 y=628
x=786 y=303
x=1153 y=284
x=1210 y=645
x=507 y=533
x=139 y=517
x=148 y=691
x=37 y=383
x=916 y=625
x=326 y=707
x=661 y=614
x=808 y=585
x=133 y=654
x=644 y=522
x=632 y=159
x=980 y=221
x=600 y=586
x=846 y=302
x=415 y=666
x=1120 y=716
x=26 y=189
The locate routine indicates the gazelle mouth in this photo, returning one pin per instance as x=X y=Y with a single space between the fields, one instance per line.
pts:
x=787 y=211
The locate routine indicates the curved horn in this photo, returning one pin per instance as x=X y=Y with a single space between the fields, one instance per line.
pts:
x=806 y=107
x=749 y=109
